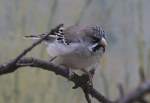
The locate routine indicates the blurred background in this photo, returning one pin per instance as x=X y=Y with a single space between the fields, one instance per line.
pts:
x=125 y=21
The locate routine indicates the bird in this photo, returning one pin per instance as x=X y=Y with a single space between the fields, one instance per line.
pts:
x=77 y=47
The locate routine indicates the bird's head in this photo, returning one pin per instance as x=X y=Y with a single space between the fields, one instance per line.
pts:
x=98 y=39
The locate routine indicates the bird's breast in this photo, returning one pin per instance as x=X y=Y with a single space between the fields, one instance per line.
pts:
x=57 y=49
x=74 y=56
x=75 y=61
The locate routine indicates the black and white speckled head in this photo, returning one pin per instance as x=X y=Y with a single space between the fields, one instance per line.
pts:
x=96 y=36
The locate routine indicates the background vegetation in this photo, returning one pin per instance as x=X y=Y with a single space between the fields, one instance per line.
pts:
x=126 y=22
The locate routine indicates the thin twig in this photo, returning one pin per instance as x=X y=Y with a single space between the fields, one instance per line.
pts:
x=11 y=66
x=136 y=94
x=121 y=90
x=142 y=74
x=86 y=95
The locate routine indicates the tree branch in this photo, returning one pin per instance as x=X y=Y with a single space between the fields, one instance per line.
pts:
x=32 y=62
x=79 y=81
x=11 y=66
x=137 y=94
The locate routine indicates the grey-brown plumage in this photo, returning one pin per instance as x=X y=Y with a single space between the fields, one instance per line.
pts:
x=77 y=47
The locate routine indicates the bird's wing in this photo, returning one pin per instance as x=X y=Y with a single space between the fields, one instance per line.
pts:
x=76 y=33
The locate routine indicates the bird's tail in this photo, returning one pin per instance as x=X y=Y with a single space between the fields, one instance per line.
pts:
x=35 y=36
x=57 y=31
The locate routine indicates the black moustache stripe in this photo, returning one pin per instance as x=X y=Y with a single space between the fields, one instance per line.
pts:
x=97 y=47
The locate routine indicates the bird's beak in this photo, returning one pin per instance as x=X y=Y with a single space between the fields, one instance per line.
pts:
x=103 y=43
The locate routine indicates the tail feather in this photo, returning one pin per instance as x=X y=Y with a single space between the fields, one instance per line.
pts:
x=56 y=33
x=34 y=37
x=30 y=36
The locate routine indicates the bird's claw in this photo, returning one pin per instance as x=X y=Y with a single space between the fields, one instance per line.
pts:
x=83 y=81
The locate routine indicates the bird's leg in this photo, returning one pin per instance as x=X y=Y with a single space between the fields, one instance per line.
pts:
x=70 y=73
x=85 y=80
x=68 y=70
x=52 y=59
x=90 y=75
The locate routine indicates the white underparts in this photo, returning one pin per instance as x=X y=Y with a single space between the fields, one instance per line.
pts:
x=56 y=49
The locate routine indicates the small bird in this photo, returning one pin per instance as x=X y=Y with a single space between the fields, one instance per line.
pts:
x=76 y=47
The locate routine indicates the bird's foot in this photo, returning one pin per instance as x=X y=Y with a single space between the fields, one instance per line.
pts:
x=90 y=75
x=85 y=80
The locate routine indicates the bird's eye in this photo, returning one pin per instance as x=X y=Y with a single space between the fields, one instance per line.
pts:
x=61 y=30
x=95 y=39
x=96 y=48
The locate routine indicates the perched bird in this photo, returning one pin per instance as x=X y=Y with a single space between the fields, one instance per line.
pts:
x=76 y=47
